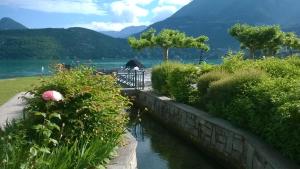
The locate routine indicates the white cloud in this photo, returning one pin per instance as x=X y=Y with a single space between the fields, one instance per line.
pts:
x=130 y=10
x=163 y=12
x=109 y=26
x=59 y=6
x=174 y=2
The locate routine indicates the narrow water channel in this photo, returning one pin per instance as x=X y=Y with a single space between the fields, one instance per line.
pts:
x=158 y=148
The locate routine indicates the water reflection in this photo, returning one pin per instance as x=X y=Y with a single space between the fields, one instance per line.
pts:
x=160 y=149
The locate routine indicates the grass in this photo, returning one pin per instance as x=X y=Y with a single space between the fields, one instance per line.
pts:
x=10 y=87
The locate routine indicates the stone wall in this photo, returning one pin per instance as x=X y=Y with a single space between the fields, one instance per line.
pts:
x=126 y=158
x=231 y=146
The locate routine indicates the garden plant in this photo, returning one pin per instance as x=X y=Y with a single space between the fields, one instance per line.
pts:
x=74 y=119
x=262 y=96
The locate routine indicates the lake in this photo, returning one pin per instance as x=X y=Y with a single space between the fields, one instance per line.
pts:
x=21 y=68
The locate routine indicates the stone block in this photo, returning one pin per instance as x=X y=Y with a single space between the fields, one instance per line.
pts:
x=207 y=130
x=229 y=140
x=268 y=166
x=236 y=155
x=250 y=155
x=257 y=164
x=238 y=145
x=220 y=147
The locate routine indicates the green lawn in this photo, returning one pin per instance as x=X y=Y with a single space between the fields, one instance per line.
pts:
x=10 y=87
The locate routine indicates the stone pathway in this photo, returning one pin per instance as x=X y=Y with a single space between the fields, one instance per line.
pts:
x=12 y=109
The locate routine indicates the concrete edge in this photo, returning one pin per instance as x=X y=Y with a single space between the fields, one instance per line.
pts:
x=126 y=158
x=12 y=109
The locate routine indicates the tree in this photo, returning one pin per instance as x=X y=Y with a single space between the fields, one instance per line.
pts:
x=166 y=40
x=254 y=38
x=291 y=42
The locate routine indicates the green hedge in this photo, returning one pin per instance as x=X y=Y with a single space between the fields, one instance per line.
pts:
x=262 y=96
x=160 y=75
x=180 y=82
x=81 y=131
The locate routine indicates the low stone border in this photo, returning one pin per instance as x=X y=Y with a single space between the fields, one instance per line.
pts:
x=230 y=145
x=126 y=158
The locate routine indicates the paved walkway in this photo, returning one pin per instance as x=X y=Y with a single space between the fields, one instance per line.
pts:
x=12 y=109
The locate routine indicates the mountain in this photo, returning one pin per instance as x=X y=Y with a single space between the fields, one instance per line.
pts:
x=61 y=43
x=9 y=24
x=214 y=17
x=126 y=32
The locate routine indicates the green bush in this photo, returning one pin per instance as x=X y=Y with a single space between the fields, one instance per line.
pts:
x=180 y=82
x=276 y=114
x=261 y=96
x=275 y=67
x=203 y=83
x=220 y=92
x=89 y=116
x=159 y=76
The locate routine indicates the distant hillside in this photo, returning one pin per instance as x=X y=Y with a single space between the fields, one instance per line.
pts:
x=61 y=43
x=126 y=32
x=214 y=17
x=9 y=24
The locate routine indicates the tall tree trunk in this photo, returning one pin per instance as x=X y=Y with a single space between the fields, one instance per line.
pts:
x=166 y=54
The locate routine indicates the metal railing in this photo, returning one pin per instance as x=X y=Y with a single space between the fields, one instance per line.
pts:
x=132 y=78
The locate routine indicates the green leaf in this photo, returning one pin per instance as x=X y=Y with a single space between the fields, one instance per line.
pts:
x=55 y=142
x=40 y=114
x=33 y=151
x=44 y=150
x=55 y=115
x=53 y=126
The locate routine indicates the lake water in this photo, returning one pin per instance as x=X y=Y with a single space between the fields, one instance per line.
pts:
x=158 y=148
x=20 y=68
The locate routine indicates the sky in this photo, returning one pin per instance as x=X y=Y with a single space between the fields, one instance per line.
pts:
x=99 y=15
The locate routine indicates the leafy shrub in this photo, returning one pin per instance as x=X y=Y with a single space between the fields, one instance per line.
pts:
x=259 y=95
x=90 y=115
x=203 y=83
x=276 y=114
x=180 y=81
x=160 y=75
x=91 y=105
x=276 y=67
x=221 y=91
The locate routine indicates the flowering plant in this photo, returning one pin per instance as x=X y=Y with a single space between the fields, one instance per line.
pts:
x=52 y=95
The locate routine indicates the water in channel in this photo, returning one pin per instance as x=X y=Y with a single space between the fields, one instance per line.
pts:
x=158 y=148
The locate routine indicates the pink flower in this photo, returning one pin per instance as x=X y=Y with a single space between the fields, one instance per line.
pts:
x=52 y=95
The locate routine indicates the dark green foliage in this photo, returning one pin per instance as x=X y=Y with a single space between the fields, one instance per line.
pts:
x=180 y=82
x=61 y=43
x=254 y=38
x=229 y=86
x=167 y=39
x=203 y=83
x=159 y=76
x=261 y=96
x=78 y=132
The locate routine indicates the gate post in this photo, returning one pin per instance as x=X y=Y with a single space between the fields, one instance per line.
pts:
x=135 y=79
